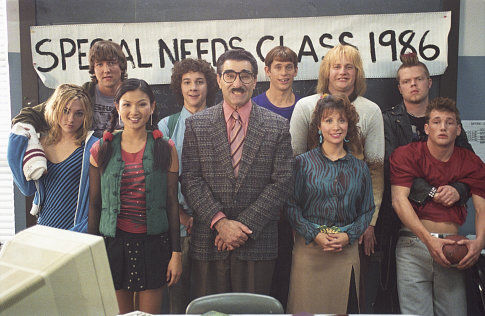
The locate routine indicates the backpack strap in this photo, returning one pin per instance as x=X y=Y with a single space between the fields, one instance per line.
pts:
x=172 y=121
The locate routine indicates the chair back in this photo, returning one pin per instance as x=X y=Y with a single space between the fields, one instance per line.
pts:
x=235 y=303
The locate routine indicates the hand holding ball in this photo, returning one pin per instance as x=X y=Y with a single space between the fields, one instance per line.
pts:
x=454 y=253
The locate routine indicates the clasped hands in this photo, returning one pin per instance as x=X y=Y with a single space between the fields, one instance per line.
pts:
x=231 y=234
x=333 y=242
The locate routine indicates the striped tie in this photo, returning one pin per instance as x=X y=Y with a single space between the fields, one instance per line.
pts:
x=236 y=141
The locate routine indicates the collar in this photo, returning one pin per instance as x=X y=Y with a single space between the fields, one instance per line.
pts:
x=352 y=97
x=244 y=111
x=320 y=153
x=184 y=113
x=399 y=109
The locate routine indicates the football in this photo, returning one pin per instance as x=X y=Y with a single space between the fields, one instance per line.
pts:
x=454 y=253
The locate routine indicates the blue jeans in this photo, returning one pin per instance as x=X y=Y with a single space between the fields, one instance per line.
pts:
x=425 y=287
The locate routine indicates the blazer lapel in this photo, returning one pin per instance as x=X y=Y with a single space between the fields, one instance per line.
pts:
x=221 y=147
x=252 y=142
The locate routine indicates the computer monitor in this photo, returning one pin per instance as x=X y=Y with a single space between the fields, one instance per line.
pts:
x=49 y=271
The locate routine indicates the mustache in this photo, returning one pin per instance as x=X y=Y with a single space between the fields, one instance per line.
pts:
x=238 y=90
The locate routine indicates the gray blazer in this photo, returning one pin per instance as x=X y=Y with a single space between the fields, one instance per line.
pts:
x=264 y=182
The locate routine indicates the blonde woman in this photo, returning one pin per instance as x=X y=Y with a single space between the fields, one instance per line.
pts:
x=61 y=194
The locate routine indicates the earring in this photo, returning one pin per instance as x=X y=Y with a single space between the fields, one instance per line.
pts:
x=119 y=120
x=151 y=119
x=320 y=138
x=346 y=140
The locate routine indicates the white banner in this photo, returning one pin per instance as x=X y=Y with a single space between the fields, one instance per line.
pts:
x=60 y=52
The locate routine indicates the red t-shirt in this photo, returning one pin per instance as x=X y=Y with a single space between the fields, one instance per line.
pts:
x=132 y=216
x=415 y=161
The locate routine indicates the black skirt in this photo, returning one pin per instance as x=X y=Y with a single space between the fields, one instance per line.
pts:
x=138 y=262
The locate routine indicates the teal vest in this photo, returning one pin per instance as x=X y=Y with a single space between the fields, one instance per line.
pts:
x=155 y=191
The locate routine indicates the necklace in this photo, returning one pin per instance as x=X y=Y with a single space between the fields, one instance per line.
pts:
x=336 y=157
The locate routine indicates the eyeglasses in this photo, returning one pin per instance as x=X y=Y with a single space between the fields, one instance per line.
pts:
x=229 y=76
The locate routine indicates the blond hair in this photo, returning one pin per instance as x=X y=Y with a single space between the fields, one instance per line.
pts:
x=55 y=105
x=411 y=60
x=335 y=54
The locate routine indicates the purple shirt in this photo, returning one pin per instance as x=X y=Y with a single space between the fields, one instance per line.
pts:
x=262 y=100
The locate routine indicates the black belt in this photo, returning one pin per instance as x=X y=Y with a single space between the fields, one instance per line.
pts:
x=407 y=233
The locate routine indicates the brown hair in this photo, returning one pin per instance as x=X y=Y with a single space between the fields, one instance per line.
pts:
x=106 y=51
x=184 y=66
x=325 y=106
x=442 y=105
x=349 y=52
x=281 y=53
x=411 y=60
x=60 y=99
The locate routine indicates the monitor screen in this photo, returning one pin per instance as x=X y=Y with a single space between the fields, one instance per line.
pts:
x=49 y=271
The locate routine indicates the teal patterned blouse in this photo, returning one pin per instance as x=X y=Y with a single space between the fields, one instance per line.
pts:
x=332 y=193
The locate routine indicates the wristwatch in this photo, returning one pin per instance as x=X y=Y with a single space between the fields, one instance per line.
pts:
x=432 y=192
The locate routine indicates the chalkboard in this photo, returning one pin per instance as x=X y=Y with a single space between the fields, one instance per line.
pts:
x=382 y=91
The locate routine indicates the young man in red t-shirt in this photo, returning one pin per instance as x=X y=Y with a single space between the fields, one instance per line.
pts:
x=434 y=287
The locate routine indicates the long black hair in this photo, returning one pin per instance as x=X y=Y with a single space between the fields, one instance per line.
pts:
x=161 y=149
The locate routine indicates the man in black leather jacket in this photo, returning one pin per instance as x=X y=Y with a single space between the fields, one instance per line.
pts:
x=404 y=123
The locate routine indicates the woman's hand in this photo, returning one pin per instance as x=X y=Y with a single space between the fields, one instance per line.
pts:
x=332 y=242
x=339 y=240
x=174 y=269
x=324 y=241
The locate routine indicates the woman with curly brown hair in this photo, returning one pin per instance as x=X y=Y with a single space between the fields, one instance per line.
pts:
x=331 y=207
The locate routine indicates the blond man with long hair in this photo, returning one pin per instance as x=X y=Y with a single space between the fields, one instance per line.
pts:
x=342 y=72
x=61 y=194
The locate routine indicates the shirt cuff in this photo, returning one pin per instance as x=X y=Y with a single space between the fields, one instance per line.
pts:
x=216 y=218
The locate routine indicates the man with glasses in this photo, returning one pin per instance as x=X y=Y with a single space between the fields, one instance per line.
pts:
x=107 y=67
x=427 y=282
x=237 y=173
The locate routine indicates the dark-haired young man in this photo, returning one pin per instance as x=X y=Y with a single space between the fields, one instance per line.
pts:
x=281 y=68
x=107 y=67
x=194 y=85
x=237 y=173
x=427 y=283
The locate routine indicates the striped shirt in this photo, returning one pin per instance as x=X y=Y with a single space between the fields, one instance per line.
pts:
x=132 y=217
x=332 y=193
x=62 y=186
